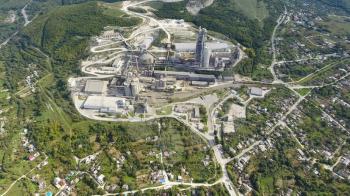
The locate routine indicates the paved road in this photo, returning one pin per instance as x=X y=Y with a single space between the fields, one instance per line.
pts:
x=24 y=14
x=280 y=20
x=126 y=5
x=27 y=22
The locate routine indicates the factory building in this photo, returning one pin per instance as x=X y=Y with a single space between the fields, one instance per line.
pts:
x=105 y=104
x=184 y=76
x=95 y=87
x=191 y=47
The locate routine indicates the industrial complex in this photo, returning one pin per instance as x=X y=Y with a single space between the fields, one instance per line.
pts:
x=159 y=61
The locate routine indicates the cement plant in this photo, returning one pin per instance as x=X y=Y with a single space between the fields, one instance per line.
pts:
x=171 y=57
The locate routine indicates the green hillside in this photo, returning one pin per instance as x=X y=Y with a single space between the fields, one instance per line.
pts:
x=12 y=4
x=64 y=32
x=341 y=4
x=253 y=9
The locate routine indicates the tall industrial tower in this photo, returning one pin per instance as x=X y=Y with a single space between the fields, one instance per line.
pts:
x=200 y=45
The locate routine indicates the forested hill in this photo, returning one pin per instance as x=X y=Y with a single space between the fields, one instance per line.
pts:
x=341 y=4
x=63 y=33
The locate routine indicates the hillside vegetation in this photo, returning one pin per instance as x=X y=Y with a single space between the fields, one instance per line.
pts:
x=342 y=4
x=12 y=4
x=64 y=32
x=254 y=9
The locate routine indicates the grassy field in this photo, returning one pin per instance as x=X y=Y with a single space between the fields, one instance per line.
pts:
x=253 y=9
x=164 y=110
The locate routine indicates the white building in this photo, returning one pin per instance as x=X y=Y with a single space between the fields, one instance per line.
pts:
x=105 y=104
x=256 y=91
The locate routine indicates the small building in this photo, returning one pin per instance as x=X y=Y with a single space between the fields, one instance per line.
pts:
x=125 y=187
x=95 y=86
x=59 y=183
x=196 y=113
x=228 y=78
x=256 y=91
x=100 y=179
x=200 y=83
x=31 y=158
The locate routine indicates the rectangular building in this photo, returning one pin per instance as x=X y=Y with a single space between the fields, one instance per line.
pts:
x=105 y=104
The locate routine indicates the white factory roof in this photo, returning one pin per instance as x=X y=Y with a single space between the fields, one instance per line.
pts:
x=191 y=46
x=95 y=86
x=256 y=91
x=182 y=73
x=104 y=104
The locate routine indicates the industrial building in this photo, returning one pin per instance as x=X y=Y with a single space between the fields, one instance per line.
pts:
x=105 y=104
x=208 y=55
x=184 y=76
x=191 y=46
x=95 y=87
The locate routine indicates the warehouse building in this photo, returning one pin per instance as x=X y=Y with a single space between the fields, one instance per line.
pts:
x=185 y=76
x=105 y=104
x=191 y=46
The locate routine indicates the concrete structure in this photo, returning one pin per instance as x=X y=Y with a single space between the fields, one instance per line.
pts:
x=196 y=113
x=160 y=84
x=105 y=104
x=135 y=87
x=200 y=44
x=146 y=59
x=206 y=57
x=95 y=86
x=132 y=88
x=146 y=43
